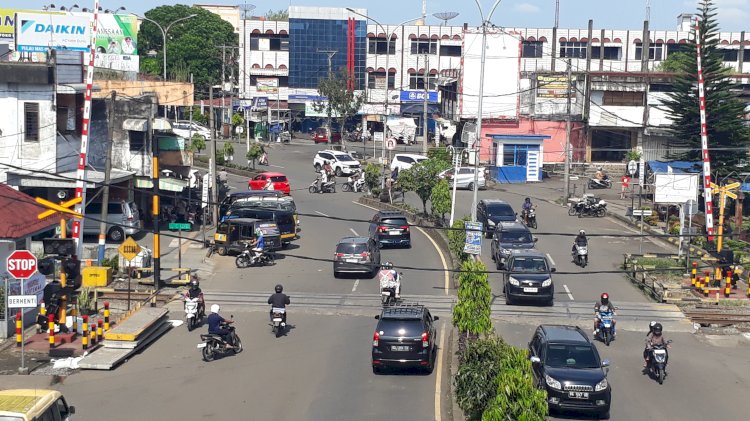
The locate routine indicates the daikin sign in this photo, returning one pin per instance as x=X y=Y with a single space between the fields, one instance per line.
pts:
x=39 y=32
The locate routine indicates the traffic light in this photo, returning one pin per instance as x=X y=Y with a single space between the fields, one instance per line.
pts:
x=59 y=246
x=72 y=268
x=46 y=266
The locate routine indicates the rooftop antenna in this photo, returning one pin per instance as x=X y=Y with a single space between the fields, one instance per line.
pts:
x=246 y=9
x=445 y=16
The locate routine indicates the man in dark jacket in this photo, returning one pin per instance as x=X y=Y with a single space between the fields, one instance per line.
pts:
x=279 y=300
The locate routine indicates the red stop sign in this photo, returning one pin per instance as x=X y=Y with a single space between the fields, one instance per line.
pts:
x=21 y=264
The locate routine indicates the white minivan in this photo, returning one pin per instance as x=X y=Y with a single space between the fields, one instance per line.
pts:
x=465 y=177
x=123 y=219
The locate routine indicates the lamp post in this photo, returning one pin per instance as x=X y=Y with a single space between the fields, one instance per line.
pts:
x=164 y=37
x=478 y=141
x=388 y=36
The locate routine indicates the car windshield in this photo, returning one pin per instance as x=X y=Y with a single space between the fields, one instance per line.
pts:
x=516 y=237
x=263 y=204
x=571 y=356
x=278 y=178
x=344 y=157
x=529 y=264
x=398 y=222
x=401 y=327
x=351 y=248
x=500 y=210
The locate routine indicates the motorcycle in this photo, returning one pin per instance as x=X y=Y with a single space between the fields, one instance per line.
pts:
x=388 y=292
x=278 y=325
x=657 y=362
x=529 y=218
x=192 y=315
x=581 y=256
x=354 y=183
x=606 y=330
x=213 y=345
x=327 y=187
x=595 y=183
x=586 y=208
x=263 y=160
x=248 y=257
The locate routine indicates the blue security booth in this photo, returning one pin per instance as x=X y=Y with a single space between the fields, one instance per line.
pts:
x=517 y=158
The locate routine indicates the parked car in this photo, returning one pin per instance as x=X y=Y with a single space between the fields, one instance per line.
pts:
x=404 y=161
x=566 y=364
x=390 y=228
x=186 y=128
x=341 y=162
x=465 y=177
x=528 y=277
x=510 y=236
x=123 y=219
x=356 y=255
x=320 y=135
x=279 y=180
x=491 y=212
x=405 y=336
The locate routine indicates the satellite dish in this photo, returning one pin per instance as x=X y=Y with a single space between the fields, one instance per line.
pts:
x=246 y=8
x=445 y=16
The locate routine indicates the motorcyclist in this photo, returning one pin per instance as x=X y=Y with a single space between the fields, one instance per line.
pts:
x=651 y=327
x=389 y=278
x=601 y=175
x=217 y=325
x=525 y=208
x=195 y=292
x=655 y=337
x=258 y=243
x=223 y=177
x=580 y=240
x=279 y=300
x=603 y=302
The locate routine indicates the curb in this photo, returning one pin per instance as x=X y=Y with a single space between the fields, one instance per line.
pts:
x=456 y=413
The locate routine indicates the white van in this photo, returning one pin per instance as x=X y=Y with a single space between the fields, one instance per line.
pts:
x=34 y=404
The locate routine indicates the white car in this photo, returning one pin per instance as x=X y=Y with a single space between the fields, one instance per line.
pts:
x=186 y=128
x=404 y=161
x=465 y=178
x=341 y=162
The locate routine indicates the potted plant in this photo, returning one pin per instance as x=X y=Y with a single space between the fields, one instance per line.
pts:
x=86 y=302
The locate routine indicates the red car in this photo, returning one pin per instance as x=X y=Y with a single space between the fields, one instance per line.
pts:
x=321 y=136
x=278 y=180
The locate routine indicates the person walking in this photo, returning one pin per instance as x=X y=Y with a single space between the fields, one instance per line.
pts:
x=625 y=180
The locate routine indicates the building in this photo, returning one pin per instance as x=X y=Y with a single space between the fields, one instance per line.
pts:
x=228 y=13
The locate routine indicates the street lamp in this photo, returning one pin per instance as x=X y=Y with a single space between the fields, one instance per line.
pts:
x=164 y=37
x=114 y=12
x=389 y=35
x=478 y=139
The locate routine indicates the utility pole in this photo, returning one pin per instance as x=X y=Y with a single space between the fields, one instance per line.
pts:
x=567 y=135
x=330 y=54
x=425 y=128
x=212 y=160
x=478 y=140
x=107 y=170
x=223 y=85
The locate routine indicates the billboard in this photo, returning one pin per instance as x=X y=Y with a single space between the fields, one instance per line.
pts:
x=117 y=42
x=675 y=187
x=268 y=85
x=552 y=87
x=37 y=32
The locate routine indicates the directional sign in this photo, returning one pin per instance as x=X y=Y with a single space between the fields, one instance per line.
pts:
x=642 y=212
x=21 y=264
x=22 y=301
x=54 y=207
x=129 y=248
x=390 y=144
x=179 y=226
x=204 y=190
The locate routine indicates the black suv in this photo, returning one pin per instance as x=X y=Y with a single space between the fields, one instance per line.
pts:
x=491 y=212
x=390 y=228
x=405 y=336
x=566 y=363
x=528 y=277
x=510 y=236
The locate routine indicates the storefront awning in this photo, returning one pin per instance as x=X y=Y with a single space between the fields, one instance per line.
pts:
x=141 y=124
x=166 y=184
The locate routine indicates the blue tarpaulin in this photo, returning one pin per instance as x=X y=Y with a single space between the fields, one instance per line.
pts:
x=677 y=166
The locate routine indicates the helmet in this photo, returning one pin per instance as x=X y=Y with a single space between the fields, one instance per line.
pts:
x=387 y=265
x=581 y=232
x=528 y=199
x=652 y=324
x=657 y=329
x=215 y=308
x=278 y=288
x=599 y=168
x=258 y=232
x=194 y=284
x=605 y=298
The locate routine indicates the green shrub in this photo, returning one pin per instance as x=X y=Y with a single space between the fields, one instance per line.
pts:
x=476 y=379
x=440 y=199
x=440 y=154
x=457 y=238
x=517 y=398
x=86 y=300
x=197 y=143
x=228 y=149
x=254 y=153
x=113 y=262
x=372 y=177
x=471 y=314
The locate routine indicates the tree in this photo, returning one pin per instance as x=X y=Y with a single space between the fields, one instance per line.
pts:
x=516 y=396
x=471 y=314
x=197 y=143
x=476 y=379
x=728 y=136
x=254 y=153
x=198 y=117
x=457 y=238
x=228 y=151
x=237 y=120
x=440 y=199
x=421 y=179
x=672 y=63
x=279 y=15
x=372 y=176
x=342 y=102
x=192 y=41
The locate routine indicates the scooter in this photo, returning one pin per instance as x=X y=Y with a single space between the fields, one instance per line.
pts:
x=581 y=255
x=248 y=257
x=530 y=218
x=354 y=183
x=595 y=183
x=192 y=315
x=606 y=330
x=657 y=362
x=327 y=187
x=388 y=292
x=278 y=325
x=213 y=345
x=263 y=160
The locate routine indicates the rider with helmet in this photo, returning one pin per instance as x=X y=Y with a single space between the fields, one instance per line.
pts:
x=601 y=175
x=195 y=292
x=389 y=278
x=654 y=337
x=603 y=302
x=279 y=300
x=216 y=325
x=580 y=240
x=258 y=243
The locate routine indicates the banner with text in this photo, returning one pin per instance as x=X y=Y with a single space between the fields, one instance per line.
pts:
x=38 y=32
x=268 y=85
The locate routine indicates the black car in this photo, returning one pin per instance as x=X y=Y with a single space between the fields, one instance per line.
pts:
x=356 y=254
x=491 y=212
x=234 y=197
x=404 y=337
x=510 y=236
x=566 y=363
x=284 y=219
x=390 y=228
x=528 y=277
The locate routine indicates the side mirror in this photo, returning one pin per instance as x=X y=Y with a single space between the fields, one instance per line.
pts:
x=535 y=360
x=605 y=363
x=72 y=410
x=436 y=318
x=553 y=270
x=377 y=317
x=536 y=239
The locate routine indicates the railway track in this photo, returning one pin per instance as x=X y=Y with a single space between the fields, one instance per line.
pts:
x=134 y=296
x=717 y=317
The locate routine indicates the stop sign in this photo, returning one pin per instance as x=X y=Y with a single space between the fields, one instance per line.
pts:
x=21 y=264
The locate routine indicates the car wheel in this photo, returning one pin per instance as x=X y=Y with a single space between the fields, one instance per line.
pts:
x=116 y=234
x=550 y=303
x=604 y=415
x=498 y=265
x=336 y=274
x=508 y=300
x=222 y=251
x=431 y=367
x=317 y=167
x=470 y=186
x=338 y=172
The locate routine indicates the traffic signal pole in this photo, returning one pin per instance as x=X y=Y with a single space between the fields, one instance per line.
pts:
x=155 y=202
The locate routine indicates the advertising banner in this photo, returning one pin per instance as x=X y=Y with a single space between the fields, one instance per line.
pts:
x=268 y=85
x=418 y=96
x=117 y=42
x=552 y=87
x=40 y=31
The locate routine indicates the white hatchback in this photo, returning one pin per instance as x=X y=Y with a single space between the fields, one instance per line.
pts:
x=465 y=177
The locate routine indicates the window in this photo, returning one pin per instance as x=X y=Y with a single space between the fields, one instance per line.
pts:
x=254 y=44
x=532 y=49
x=424 y=46
x=730 y=54
x=269 y=43
x=628 y=99
x=654 y=51
x=573 y=49
x=450 y=50
x=417 y=81
x=137 y=140
x=610 y=53
x=515 y=155
x=376 y=80
x=31 y=121
x=746 y=55
x=279 y=43
x=378 y=46
x=675 y=48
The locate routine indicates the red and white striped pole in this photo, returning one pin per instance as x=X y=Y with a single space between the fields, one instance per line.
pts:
x=83 y=156
x=707 y=191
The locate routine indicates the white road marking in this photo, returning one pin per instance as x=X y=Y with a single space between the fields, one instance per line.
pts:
x=568 y=292
x=354 y=288
x=439 y=374
x=275 y=166
x=322 y=214
x=174 y=243
x=551 y=260
x=354 y=232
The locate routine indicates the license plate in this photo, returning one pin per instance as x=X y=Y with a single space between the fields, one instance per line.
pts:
x=578 y=395
x=527 y=289
x=277 y=320
x=394 y=232
x=203 y=345
x=351 y=260
x=399 y=347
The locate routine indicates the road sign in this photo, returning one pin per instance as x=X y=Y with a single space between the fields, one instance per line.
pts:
x=204 y=191
x=691 y=207
x=632 y=167
x=21 y=264
x=642 y=212
x=22 y=301
x=129 y=249
x=178 y=226
x=474 y=234
x=390 y=144
x=54 y=207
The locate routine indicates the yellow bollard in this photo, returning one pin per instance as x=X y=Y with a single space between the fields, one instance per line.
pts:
x=693 y=272
x=728 y=287
x=99 y=330
x=717 y=277
x=106 y=316
x=43 y=313
x=19 y=328
x=51 y=323
x=92 y=334
x=85 y=333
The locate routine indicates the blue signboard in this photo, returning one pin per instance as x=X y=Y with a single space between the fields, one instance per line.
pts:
x=304 y=98
x=418 y=96
x=474 y=234
x=260 y=102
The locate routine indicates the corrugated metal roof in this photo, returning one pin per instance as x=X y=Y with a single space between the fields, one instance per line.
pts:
x=19 y=212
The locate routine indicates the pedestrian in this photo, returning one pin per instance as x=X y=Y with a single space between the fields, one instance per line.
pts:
x=625 y=180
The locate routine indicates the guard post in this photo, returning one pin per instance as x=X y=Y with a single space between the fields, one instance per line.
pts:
x=728 y=287
x=693 y=272
x=85 y=333
x=106 y=316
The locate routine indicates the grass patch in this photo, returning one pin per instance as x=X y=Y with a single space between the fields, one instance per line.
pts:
x=659 y=262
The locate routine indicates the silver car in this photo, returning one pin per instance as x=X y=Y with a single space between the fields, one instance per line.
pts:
x=123 y=219
x=465 y=177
